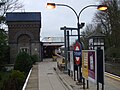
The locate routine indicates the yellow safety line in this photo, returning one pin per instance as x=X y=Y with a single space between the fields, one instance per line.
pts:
x=112 y=76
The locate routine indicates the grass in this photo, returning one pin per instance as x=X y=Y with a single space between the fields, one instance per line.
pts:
x=4 y=76
x=113 y=68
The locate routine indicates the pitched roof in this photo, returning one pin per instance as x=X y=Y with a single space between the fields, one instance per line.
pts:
x=96 y=34
x=23 y=16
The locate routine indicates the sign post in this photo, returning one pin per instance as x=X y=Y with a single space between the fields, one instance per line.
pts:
x=100 y=68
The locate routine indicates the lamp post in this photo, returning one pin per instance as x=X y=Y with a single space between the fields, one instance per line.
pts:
x=79 y=26
x=2 y=3
x=99 y=7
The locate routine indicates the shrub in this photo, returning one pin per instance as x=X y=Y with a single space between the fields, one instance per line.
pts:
x=4 y=76
x=34 y=58
x=19 y=76
x=0 y=77
x=23 y=62
x=15 y=81
x=113 y=52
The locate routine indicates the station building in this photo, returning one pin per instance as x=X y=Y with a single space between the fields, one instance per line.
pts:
x=24 y=33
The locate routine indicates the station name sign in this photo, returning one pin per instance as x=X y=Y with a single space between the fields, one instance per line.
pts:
x=77 y=53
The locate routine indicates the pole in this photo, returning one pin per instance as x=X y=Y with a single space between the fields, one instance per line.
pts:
x=83 y=83
x=87 y=84
x=65 y=42
x=97 y=85
x=68 y=53
x=65 y=50
x=78 y=26
x=67 y=29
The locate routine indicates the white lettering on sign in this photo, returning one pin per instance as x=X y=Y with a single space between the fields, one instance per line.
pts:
x=77 y=53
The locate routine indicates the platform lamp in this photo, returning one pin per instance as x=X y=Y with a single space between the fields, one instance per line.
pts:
x=99 y=7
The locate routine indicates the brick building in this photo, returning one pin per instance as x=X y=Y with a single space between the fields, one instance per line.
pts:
x=24 y=33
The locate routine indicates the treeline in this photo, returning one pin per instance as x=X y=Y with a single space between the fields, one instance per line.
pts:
x=107 y=23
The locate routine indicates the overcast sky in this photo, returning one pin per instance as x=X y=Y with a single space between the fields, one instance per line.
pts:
x=52 y=20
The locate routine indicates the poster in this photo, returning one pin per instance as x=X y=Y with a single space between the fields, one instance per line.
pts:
x=89 y=65
x=85 y=64
x=92 y=73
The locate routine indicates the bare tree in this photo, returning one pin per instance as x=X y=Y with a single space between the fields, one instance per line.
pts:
x=90 y=28
x=110 y=22
x=10 y=5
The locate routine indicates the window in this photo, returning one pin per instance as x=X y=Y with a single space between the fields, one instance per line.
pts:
x=24 y=49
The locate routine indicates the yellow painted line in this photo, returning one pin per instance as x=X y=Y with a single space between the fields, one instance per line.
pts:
x=112 y=76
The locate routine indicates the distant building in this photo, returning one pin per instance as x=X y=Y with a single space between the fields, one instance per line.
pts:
x=24 y=33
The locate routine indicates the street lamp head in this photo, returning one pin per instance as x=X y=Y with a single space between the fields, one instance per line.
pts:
x=102 y=7
x=51 y=5
x=2 y=3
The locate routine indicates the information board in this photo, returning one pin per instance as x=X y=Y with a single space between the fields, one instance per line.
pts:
x=89 y=65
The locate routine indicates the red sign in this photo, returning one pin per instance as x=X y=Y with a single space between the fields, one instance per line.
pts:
x=77 y=53
x=77 y=46
x=77 y=60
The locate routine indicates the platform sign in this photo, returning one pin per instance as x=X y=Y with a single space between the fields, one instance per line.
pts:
x=89 y=65
x=77 y=53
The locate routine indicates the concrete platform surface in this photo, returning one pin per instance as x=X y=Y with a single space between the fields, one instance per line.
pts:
x=46 y=76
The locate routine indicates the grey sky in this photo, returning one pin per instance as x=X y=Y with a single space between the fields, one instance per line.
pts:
x=52 y=20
